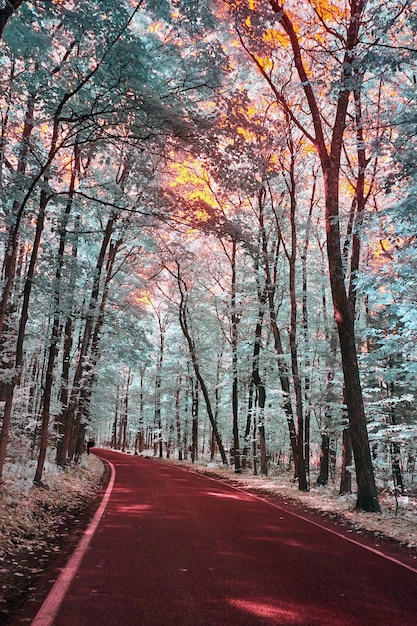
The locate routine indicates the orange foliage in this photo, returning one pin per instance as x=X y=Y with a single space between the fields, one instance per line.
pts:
x=275 y=38
x=142 y=298
x=195 y=182
x=330 y=11
x=265 y=63
x=248 y=135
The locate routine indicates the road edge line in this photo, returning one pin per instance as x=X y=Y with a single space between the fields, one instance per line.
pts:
x=53 y=601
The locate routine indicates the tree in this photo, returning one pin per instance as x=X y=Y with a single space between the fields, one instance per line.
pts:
x=329 y=148
x=184 y=323
x=7 y=11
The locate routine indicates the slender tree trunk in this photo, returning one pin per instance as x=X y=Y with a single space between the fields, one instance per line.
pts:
x=141 y=432
x=235 y=383
x=284 y=376
x=258 y=385
x=56 y=325
x=296 y=379
x=248 y=427
x=186 y=421
x=186 y=332
x=344 y=315
x=306 y=335
x=194 y=419
x=177 y=417
x=217 y=405
x=62 y=420
x=115 y=420
x=158 y=383
x=346 y=474
x=126 y=409
x=8 y=276
x=323 y=477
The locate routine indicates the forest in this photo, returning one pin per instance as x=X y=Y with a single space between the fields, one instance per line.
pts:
x=208 y=235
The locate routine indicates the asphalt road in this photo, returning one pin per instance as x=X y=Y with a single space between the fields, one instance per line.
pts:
x=177 y=548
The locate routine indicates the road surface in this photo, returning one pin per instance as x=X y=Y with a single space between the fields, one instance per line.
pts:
x=177 y=548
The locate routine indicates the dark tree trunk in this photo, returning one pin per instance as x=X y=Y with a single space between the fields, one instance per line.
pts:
x=248 y=427
x=56 y=325
x=260 y=391
x=395 y=448
x=22 y=327
x=284 y=375
x=216 y=408
x=346 y=474
x=5 y=14
x=62 y=421
x=177 y=418
x=11 y=251
x=91 y=330
x=158 y=383
x=306 y=334
x=183 y=318
x=292 y=258
x=235 y=384
x=323 y=477
x=141 y=433
x=194 y=419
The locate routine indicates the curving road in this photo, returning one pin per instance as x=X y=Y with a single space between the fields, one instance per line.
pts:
x=177 y=548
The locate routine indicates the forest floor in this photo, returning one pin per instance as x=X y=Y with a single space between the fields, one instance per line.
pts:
x=38 y=525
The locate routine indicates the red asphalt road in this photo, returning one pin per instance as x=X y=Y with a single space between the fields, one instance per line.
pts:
x=177 y=548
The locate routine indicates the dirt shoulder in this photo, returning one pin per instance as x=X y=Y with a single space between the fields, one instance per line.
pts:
x=40 y=526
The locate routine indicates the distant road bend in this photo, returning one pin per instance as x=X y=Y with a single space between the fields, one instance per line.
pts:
x=175 y=548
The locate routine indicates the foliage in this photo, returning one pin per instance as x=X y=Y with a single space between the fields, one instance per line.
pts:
x=159 y=134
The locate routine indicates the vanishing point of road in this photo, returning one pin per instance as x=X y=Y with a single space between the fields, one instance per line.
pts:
x=171 y=547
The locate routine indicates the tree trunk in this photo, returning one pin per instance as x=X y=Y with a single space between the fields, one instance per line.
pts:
x=62 y=421
x=235 y=383
x=184 y=327
x=90 y=331
x=258 y=385
x=22 y=329
x=194 y=419
x=158 y=382
x=56 y=325
x=346 y=474
x=11 y=249
x=248 y=427
x=306 y=335
x=292 y=257
x=323 y=477
x=177 y=418
x=5 y=13
x=141 y=433
x=217 y=405
x=282 y=365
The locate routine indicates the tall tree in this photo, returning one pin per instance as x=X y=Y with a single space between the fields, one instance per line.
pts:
x=329 y=148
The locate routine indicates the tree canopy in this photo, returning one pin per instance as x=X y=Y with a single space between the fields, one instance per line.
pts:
x=208 y=235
